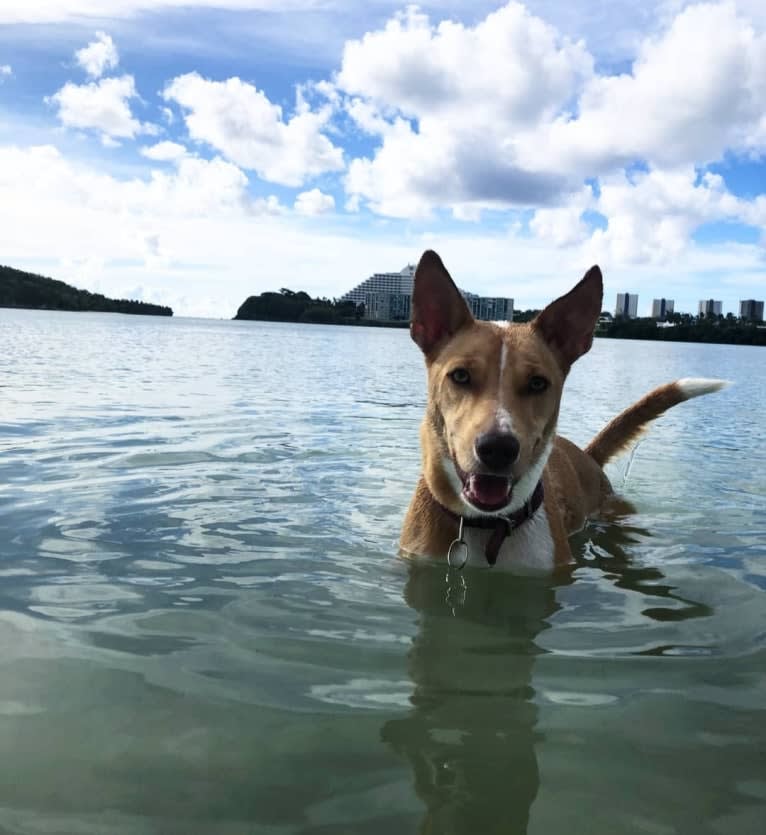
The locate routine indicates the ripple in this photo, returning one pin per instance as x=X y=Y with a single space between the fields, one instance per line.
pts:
x=201 y=603
x=372 y=694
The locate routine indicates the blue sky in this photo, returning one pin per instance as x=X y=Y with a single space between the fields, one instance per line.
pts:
x=194 y=153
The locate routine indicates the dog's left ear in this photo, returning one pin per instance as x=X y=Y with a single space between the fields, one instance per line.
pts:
x=567 y=324
x=438 y=309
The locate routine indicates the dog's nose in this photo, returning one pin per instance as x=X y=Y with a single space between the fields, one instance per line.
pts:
x=497 y=450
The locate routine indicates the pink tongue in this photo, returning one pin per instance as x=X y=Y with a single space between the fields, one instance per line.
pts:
x=489 y=490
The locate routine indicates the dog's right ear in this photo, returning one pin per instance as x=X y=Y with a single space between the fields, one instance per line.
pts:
x=438 y=309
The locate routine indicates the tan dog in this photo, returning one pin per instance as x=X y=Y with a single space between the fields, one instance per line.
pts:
x=498 y=485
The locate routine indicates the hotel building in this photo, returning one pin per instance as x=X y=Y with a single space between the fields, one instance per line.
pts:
x=388 y=296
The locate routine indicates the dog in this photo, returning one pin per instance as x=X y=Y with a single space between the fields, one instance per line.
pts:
x=498 y=485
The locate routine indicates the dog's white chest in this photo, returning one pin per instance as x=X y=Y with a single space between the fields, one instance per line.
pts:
x=527 y=550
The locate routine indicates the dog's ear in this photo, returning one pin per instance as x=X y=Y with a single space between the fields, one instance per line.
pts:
x=438 y=309
x=567 y=324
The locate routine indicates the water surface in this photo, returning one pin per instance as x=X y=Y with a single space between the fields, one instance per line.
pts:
x=204 y=627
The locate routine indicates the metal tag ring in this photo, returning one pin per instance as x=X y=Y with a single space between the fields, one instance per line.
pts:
x=457 y=555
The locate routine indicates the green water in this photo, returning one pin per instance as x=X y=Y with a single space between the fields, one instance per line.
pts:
x=204 y=627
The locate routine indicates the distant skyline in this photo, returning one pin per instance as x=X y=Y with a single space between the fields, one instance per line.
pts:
x=194 y=152
x=648 y=310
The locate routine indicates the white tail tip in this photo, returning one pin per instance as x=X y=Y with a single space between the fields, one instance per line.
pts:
x=697 y=386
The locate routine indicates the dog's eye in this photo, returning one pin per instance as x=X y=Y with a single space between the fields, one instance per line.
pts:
x=460 y=376
x=537 y=384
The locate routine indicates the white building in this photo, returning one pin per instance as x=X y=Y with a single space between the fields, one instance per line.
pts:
x=489 y=308
x=710 y=306
x=662 y=308
x=627 y=305
x=385 y=295
x=388 y=296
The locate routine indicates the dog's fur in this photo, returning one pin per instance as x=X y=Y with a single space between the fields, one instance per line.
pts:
x=504 y=383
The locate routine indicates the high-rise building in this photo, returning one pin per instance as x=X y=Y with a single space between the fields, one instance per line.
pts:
x=388 y=296
x=710 y=306
x=490 y=308
x=662 y=308
x=385 y=296
x=627 y=305
x=751 y=309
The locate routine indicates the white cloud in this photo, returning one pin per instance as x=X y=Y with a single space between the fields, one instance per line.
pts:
x=98 y=56
x=192 y=235
x=564 y=226
x=503 y=112
x=5 y=71
x=695 y=91
x=102 y=106
x=652 y=215
x=469 y=90
x=314 y=202
x=268 y=206
x=511 y=64
x=509 y=112
x=192 y=232
x=164 y=151
x=195 y=187
x=239 y=121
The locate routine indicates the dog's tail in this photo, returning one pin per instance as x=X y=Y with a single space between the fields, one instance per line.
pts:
x=627 y=426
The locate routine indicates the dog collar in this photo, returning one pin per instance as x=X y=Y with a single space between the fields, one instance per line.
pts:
x=501 y=526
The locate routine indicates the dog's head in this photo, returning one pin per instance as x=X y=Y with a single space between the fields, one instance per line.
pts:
x=493 y=390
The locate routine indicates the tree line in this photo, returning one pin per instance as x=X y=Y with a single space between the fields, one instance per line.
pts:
x=28 y=290
x=291 y=306
x=687 y=328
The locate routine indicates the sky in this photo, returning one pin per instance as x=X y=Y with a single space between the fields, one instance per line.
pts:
x=196 y=152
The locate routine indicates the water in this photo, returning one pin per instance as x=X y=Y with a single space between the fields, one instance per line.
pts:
x=204 y=628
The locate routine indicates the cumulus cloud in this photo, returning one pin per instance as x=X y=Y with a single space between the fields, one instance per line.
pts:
x=98 y=56
x=509 y=112
x=649 y=216
x=564 y=225
x=314 y=202
x=164 y=151
x=5 y=71
x=448 y=100
x=511 y=62
x=194 y=187
x=239 y=121
x=267 y=206
x=191 y=232
x=504 y=112
x=693 y=92
x=652 y=215
x=102 y=106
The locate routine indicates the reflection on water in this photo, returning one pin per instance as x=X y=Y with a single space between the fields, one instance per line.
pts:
x=203 y=629
x=471 y=733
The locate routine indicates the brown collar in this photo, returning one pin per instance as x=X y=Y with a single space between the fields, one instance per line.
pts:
x=500 y=525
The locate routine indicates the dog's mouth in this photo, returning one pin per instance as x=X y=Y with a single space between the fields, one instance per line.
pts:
x=489 y=493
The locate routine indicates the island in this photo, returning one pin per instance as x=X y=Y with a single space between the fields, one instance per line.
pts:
x=36 y=292
x=297 y=306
